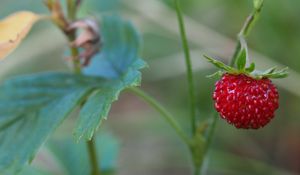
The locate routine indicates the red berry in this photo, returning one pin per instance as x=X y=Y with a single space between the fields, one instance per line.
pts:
x=245 y=102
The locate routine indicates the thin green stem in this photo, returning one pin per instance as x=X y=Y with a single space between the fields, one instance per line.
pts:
x=93 y=157
x=185 y=45
x=76 y=61
x=165 y=113
x=246 y=29
x=235 y=54
x=211 y=132
x=197 y=171
x=72 y=10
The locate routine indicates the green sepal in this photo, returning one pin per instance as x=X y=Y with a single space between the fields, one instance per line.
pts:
x=270 y=73
x=217 y=74
x=242 y=59
x=251 y=68
x=277 y=74
x=249 y=71
x=219 y=64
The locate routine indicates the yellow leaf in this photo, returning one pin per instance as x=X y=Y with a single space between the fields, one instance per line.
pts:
x=13 y=29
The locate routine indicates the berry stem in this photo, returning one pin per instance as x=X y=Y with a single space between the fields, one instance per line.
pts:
x=164 y=113
x=246 y=29
x=185 y=45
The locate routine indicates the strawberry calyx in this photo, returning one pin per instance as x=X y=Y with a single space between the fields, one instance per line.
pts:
x=240 y=66
x=250 y=70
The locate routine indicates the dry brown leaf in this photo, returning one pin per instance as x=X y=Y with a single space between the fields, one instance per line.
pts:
x=13 y=29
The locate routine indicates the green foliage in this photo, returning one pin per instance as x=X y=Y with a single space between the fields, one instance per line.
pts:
x=197 y=147
x=219 y=64
x=258 y=4
x=29 y=170
x=75 y=159
x=242 y=59
x=118 y=61
x=33 y=106
x=251 y=68
x=249 y=71
x=99 y=6
x=45 y=100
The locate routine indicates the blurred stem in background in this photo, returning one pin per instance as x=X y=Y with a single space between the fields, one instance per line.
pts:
x=196 y=142
x=165 y=113
x=186 y=49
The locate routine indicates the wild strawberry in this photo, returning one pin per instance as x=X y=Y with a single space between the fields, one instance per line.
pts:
x=245 y=97
x=244 y=101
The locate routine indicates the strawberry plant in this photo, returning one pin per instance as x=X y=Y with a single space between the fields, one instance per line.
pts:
x=104 y=54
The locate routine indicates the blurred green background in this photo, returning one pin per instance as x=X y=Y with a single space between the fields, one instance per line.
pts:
x=148 y=145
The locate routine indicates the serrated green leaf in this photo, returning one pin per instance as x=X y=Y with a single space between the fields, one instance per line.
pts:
x=218 y=64
x=120 y=52
x=118 y=60
x=251 y=68
x=31 y=107
x=93 y=112
x=31 y=126
x=20 y=141
x=242 y=59
x=75 y=159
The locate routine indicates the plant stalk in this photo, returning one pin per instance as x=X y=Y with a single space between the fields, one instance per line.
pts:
x=197 y=171
x=211 y=132
x=72 y=10
x=245 y=31
x=93 y=157
x=185 y=45
x=165 y=113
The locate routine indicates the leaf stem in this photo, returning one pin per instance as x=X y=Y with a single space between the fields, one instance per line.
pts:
x=166 y=114
x=71 y=8
x=76 y=61
x=72 y=11
x=246 y=29
x=192 y=98
x=93 y=157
